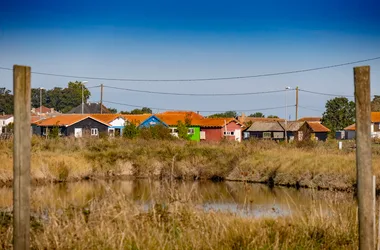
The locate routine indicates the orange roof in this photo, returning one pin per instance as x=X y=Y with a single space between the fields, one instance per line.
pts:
x=171 y=118
x=351 y=127
x=137 y=119
x=34 y=119
x=65 y=120
x=215 y=122
x=317 y=127
x=375 y=116
x=192 y=114
x=107 y=118
x=5 y=117
x=310 y=119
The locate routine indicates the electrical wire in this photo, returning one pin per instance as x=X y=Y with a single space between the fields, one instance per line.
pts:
x=325 y=94
x=194 y=94
x=312 y=109
x=203 y=79
x=205 y=111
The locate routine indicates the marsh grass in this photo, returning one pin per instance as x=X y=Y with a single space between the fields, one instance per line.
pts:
x=113 y=221
x=318 y=165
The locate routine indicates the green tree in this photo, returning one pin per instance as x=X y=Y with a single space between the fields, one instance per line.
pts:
x=54 y=132
x=112 y=110
x=182 y=130
x=35 y=98
x=272 y=116
x=227 y=114
x=375 y=104
x=340 y=113
x=141 y=111
x=130 y=130
x=257 y=114
x=6 y=101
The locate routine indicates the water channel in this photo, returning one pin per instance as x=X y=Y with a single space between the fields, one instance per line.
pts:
x=243 y=199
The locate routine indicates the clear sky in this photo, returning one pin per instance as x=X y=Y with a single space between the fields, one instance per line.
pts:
x=194 y=39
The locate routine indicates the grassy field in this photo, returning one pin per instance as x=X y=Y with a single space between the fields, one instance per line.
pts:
x=310 y=165
x=111 y=221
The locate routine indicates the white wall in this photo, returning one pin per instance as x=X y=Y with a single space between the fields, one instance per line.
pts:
x=118 y=122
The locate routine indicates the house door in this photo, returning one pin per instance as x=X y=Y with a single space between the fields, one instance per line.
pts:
x=237 y=135
x=78 y=132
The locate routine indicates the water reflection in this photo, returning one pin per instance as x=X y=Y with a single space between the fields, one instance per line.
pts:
x=244 y=199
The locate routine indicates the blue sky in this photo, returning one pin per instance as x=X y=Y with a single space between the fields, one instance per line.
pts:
x=194 y=39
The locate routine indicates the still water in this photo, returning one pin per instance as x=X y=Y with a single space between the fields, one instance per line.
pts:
x=243 y=199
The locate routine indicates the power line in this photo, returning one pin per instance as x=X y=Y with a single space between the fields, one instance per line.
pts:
x=195 y=94
x=205 y=111
x=312 y=109
x=325 y=94
x=203 y=79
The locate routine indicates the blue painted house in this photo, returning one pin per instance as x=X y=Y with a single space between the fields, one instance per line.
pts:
x=152 y=121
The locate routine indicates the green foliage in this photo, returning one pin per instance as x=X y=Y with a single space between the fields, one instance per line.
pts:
x=272 y=116
x=10 y=126
x=54 y=132
x=375 y=104
x=144 y=110
x=6 y=101
x=112 y=110
x=228 y=114
x=257 y=114
x=182 y=130
x=340 y=113
x=155 y=132
x=130 y=130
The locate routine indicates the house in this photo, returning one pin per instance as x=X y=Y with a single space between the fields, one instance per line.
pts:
x=89 y=108
x=246 y=120
x=71 y=125
x=265 y=130
x=312 y=131
x=350 y=132
x=136 y=119
x=116 y=121
x=191 y=119
x=310 y=119
x=43 y=111
x=151 y=121
x=5 y=120
x=217 y=129
x=292 y=129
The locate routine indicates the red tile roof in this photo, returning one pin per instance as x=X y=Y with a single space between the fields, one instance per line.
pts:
x=352 y=127
x=43 y=109
x=5 y=117
x=106 y=118
x=317 y=127
x=375 y=116
x=215 y=122
x=310 y=119
x=65 y=120
x=171 y=118
x=136 y=119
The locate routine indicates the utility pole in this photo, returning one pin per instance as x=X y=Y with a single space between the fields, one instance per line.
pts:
x=364 y=158
x=296 y=103
x=21 y=156
x=41 y=101
x=101 y=98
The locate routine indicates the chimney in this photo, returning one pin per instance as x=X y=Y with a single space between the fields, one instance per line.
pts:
x=3 y=113
x=198 y=112
x=52 y=110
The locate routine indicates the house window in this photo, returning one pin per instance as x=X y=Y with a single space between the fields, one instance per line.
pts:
x=267 y=135
x=94 y=131
x=190 y=131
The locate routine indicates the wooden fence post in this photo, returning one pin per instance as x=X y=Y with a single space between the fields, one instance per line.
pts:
x=21 y=156
x=364 y=157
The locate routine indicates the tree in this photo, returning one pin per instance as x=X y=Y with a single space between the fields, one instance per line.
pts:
x=6 y=101
x=257 y=114
x=141 y=111
x=272 y=116
x=182 y=130
x=340 y=113
x=130 y=130
x=36 y=96
x=375 y=104
x=112 y=110
x=227 y=114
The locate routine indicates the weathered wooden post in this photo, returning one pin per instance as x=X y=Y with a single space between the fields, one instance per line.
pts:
x=364 y=157
x=21 y=156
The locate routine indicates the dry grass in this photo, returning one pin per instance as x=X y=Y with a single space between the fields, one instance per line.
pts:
x=309 y=165
x=112 y=221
